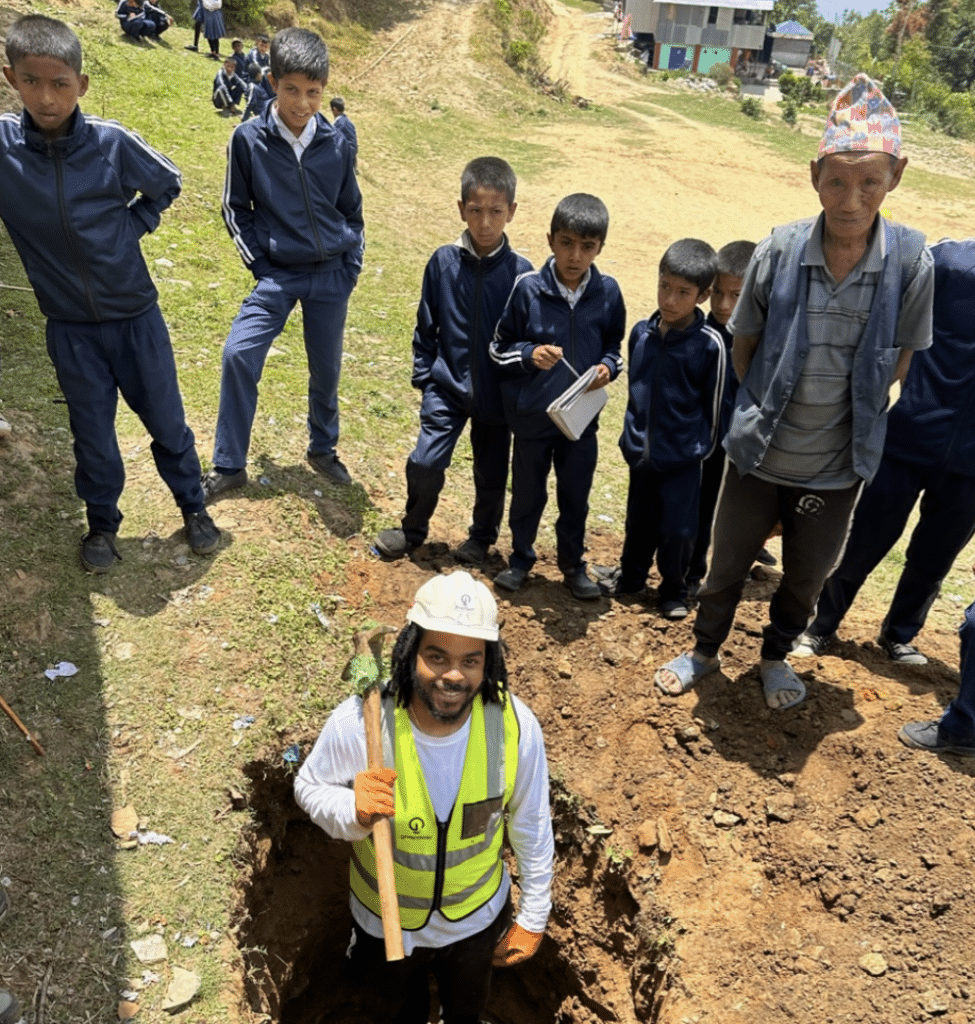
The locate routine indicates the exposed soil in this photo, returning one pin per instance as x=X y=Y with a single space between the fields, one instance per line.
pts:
x=717 y=861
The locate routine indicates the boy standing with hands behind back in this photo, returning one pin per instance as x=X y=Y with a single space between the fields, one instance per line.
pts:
x=465 y=287
x=677 y=368
x=559 y=321
x=78 y=193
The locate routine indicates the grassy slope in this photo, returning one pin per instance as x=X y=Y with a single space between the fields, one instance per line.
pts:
x=172 y=649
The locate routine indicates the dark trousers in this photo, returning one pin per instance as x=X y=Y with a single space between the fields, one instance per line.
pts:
x=712 y=472
x=138 y=27
x=815 y=525
x=575 y=464
x=398 y=991
x=94 y=363
x=441 y=424
x=958 y=722
x=324 y=298
x=946 y=525
x=661 y=519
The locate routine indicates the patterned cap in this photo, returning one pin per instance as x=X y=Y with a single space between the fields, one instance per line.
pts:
x=861 y=120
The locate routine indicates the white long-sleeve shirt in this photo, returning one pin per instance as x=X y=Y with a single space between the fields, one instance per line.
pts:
x=323 y=788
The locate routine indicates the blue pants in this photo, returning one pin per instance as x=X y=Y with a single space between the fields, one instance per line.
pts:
x=946 y=525
x=324 y=298
x=139 y=27
x=441 y=423
x=94 y=362
x=958 y=722
x=712 y=472
x=661 y=519
x=575 y=464
x=224 y=98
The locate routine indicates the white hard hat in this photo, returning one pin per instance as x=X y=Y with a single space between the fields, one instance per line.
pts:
x=456 y=603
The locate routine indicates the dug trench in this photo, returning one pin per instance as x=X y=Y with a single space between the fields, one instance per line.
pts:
x=716 y=861
x=294 y=923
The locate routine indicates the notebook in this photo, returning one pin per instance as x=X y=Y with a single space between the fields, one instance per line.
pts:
x=575 y=408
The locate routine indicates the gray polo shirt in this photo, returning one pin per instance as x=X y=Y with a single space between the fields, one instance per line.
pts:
x=813 y=444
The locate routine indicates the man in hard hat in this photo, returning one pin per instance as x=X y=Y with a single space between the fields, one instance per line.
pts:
x=466 y=751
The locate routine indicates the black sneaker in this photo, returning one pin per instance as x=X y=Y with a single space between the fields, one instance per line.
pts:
x=330 y=466
x=612 y=584
x=202 y=533
x=811 y=646
x=765 y=557
x=392 y=544
x=98 y=551
x=903 y=654
x=215 y=483
x=581 y=586
x=511 y=578
x=674 y=609
x=472 y=552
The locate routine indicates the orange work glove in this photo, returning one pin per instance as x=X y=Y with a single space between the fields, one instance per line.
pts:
x=516 y=946
x=374 y=795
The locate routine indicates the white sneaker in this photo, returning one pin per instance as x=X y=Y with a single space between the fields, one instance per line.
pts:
x=4 y=427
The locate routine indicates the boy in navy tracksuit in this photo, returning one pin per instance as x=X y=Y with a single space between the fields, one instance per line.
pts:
x=559 y=321
x=261 y=91
x=293 y=208
x=228 y=88
x=677 y=373
x=929 y=449
x=732 y=263
x=78 y=193
x=260 y=53
x=465 y=287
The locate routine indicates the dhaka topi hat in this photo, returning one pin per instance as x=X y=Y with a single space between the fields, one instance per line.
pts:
x=861 y=120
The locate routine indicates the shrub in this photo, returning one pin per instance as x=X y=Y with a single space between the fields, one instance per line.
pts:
x=752 y=107
x=789 y=113
x=721 y=73
x=521 y=55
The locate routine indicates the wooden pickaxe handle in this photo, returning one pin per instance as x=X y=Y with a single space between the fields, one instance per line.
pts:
x=382 y=833
x=20 y=725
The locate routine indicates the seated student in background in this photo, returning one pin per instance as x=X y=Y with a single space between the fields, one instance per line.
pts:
x=559 y=321
x=677 y=366
x=261 y=91
x=465 y=287
x=228 y=88
x=141 y=19
x=260 y=53
x=732 y=262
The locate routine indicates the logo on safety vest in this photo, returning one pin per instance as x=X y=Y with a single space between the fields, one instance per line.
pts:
x=416 y=825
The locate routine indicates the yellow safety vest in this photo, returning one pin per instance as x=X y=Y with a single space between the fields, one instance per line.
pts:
x=455 y=866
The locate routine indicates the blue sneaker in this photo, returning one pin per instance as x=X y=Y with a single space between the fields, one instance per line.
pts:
x=924 y=736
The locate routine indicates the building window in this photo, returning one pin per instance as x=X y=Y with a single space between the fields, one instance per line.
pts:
x=744 y=17
x=713 y=16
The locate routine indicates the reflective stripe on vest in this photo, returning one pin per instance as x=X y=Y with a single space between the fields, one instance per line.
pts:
x=457 y=867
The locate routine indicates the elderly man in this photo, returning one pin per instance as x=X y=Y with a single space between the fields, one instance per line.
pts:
x=830 y=313
x=452 y=717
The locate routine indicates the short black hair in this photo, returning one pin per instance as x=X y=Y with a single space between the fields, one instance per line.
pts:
x=488 y=172
x=255 y=70
x=583 y=214
x=236 y=42
x=337 y=103
x=402 y=667
x=296 y=51
x=36 y=35
x=691 y=259
x=733 y=258
x=261 y=38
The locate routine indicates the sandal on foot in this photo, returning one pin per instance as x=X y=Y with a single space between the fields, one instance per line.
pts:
x=687 y=671
x=778 y=677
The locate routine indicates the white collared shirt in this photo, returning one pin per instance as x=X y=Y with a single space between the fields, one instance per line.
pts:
x=570 y=296
x=298 y=143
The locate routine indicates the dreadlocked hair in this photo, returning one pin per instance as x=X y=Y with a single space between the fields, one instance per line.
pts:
x=402 y=665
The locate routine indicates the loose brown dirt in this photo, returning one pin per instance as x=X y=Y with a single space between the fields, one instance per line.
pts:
x=718 y=861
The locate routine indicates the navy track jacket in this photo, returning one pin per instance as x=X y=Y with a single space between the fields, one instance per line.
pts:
x=676 y=387
x=76 y=208
x=290 y=215
x=462 y=300
x=537 y=314
x=934 y=421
